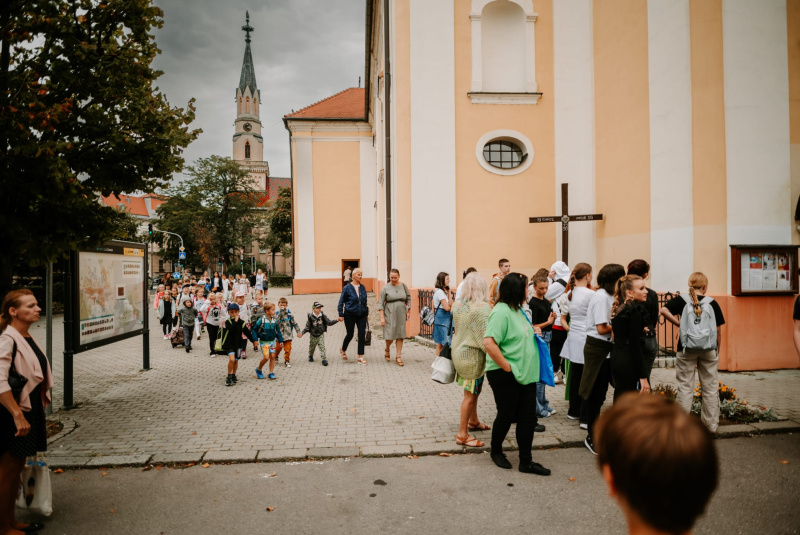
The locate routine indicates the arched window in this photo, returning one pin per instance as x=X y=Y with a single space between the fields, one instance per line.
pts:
x=247 y=150
x=503 y=52
x=247 y=105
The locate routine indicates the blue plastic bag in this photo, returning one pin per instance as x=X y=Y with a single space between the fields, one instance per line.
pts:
x=546 y=374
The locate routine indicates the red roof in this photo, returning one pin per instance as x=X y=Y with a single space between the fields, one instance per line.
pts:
x=135 y=205
x=348 y=104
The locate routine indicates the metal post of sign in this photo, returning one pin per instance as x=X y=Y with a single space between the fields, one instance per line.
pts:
x=49 y=321
x=69 y=318
x=146 y=312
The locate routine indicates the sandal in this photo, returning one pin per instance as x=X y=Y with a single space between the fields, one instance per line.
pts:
x=361 y=361
x=479 y=427
x=387 y=355
x=399 y=361
x=471 y=442
x=343 y=354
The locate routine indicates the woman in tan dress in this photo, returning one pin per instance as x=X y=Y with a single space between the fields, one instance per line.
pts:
x=394 y=305
x=470 y=314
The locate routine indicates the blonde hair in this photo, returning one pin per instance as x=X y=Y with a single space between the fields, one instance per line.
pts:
x=474 y=288
x=697 y=281
x=268 y=305
x=358 y=269
x=624 y=284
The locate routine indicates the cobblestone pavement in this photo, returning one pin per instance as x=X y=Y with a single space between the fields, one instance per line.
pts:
x=181 y=409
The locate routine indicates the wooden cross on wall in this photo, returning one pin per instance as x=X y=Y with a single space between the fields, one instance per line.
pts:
x=564 y=219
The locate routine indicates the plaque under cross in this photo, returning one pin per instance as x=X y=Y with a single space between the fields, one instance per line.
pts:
x=564 y=219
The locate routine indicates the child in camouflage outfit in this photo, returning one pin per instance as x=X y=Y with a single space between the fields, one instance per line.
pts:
x=317 y=324
x=286 y=323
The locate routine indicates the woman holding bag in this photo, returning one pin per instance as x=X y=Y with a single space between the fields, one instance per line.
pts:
x=353 y=311
x=23 y=429
x=470 y=315
x=513 y=372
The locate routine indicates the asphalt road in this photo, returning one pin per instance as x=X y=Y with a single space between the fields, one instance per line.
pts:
x=462 y=494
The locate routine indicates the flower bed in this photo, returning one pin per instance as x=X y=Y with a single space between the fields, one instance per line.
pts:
x=732 y=409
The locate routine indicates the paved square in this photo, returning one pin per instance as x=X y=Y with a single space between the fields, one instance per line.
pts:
x=181 y=408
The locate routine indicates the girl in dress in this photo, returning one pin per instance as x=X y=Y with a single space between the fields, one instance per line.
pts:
x=442 y=319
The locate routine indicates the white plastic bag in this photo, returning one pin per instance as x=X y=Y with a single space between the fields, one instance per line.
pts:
x=35 y=492
x=443 y=370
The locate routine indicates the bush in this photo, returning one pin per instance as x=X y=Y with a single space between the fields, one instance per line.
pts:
x=279 y=280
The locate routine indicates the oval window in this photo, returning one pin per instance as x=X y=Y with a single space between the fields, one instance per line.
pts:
x=503 y=154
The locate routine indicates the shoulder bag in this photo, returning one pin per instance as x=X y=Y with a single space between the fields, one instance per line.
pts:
x=16 y=381
x=443 y=370
x=546 y=374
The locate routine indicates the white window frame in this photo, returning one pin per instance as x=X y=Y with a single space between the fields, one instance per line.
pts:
x=506 y=135
x=477 y=95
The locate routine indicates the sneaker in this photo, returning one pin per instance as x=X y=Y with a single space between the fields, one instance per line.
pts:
x=324 y=362
x=545 y=414
x=167 y=336
x=244 y=357
x=259 y=374
x=234 y=379
x=272 y=376
x=552 y=412
x=188 y=349
x=287 y=364
x=584 y=425
x=311 y=358
x=534 y=468
x=198 y=337
x=539 y=428
x=571 y=417
x=501 y=460
x=589 y=445
x=228 y=381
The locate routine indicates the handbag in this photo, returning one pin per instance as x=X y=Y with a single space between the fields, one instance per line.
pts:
x=443 y=370
x=368 y=336
x=218 y=343
x=16 y=381
x=546 y=374
x=35 y=493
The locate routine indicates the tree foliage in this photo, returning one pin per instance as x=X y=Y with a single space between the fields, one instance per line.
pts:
x=279 y=222
x=79 y=117
x=215 y=211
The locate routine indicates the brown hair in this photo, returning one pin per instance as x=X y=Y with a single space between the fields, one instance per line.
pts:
x=538 y=278
x=638 y=267
x=580 y=271
x=620 y=291
x=502 y=261
x=283 y=300
x=696 y=282
x=662 y=460
x=541 y=273
x=12 y=299
x=394 y=270
x=268 y=305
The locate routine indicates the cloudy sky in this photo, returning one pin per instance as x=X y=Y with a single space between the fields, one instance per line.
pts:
x=303 y=50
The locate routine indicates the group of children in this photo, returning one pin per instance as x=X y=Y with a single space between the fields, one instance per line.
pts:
x=231 y=325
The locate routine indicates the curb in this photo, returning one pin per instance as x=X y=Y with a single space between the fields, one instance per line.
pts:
x=366 y=452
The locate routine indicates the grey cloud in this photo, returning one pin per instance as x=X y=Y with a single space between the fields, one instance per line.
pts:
x=303 y=50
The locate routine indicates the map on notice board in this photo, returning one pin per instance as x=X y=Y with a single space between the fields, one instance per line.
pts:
x=110 y=290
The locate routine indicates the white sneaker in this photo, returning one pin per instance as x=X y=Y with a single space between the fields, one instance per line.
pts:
x=287 y=365
x=166 y=337
x=584 y=426
x=552 y=412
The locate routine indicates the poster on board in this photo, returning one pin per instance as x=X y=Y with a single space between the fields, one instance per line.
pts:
x=110 y=292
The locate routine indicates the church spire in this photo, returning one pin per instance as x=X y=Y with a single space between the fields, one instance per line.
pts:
x=248 y=77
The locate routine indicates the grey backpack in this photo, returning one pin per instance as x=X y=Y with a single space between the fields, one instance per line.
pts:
x=698 y=333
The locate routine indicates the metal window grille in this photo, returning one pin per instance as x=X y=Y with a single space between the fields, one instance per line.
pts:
x=503 y=154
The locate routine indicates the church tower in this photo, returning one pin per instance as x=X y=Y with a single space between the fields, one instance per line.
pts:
x=248 y=145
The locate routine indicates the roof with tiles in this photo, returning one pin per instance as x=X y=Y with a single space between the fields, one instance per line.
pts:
x=142 y=206
x=347 y=104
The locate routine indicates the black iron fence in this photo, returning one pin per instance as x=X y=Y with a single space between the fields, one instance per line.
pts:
x=666 y=333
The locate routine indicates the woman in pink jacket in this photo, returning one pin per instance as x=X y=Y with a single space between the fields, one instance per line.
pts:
x=23 y=430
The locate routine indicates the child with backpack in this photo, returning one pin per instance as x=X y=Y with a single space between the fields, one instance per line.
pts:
x=235 y=328
x=188 y=315
x=212 y=313
x=286 y=323
x=266 y=332
x=699 y=318
x=317 y=324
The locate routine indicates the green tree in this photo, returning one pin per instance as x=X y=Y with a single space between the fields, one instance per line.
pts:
x=279 y=224
x=79 y=116
x=215 y=211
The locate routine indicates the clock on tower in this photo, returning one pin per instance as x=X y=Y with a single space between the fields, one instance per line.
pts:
x=247 y=127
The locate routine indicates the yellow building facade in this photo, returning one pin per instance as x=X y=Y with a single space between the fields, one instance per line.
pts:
x=678 y=120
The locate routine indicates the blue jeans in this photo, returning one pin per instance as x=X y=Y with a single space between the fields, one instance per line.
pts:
x=542 y=405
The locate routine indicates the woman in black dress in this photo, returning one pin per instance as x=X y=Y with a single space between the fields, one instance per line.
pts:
x=23 y=430
x=629 y=323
